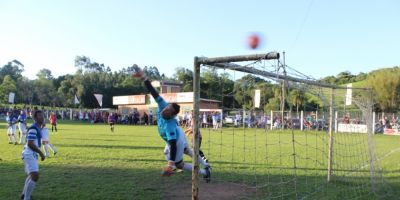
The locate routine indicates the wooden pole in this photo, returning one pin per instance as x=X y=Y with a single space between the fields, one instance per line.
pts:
x=336 y=121
x=330 y=150
x=301 y=120
x=272 y=119
x=211 y=61
x=196 y=138
x=373 y=122
x=283 y=94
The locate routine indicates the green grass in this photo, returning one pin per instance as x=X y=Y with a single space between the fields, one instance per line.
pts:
x=93 y=163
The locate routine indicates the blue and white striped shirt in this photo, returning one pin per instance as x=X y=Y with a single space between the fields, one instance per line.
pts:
x=34 y=136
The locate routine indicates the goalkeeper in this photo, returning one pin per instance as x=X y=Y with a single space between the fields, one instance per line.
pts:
x=169 y=130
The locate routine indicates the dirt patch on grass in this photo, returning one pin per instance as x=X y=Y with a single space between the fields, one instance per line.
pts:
x=210 y=191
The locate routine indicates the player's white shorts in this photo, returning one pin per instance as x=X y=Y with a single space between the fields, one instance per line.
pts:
x=181 y=144
x=31 y=163
x=214 y=122
x=11 y=130
x=45 y=134
x=22 y=128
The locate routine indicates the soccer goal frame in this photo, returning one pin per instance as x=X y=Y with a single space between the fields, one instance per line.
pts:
x=229 y=62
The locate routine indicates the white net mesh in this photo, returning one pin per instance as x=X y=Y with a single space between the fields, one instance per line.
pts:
x=284 y=154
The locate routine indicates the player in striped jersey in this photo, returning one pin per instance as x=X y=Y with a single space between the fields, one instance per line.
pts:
x=11 y=121
x=30 y=155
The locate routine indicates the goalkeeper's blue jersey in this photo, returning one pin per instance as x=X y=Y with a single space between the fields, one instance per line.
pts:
x=167 y=128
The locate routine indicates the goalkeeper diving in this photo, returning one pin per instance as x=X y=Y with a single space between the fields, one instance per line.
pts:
x=171 y=133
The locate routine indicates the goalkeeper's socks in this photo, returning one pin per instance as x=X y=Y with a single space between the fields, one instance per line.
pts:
x=188 y=167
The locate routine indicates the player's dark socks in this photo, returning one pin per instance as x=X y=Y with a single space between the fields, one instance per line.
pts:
x=201 y=153
x=207 y=177
x=203 y=156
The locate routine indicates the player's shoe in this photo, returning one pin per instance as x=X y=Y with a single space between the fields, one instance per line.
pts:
x=54 y=153
x=207 y=177
x=23 y=196
x=176 y=170
x=15 y=143
x=9 y=142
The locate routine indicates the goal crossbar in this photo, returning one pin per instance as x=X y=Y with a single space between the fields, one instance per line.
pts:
x=226 y=63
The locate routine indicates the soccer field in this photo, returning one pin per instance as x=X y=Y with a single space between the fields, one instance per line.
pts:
x=94 y=163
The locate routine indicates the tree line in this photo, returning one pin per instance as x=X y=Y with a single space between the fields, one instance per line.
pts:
x=93 y=77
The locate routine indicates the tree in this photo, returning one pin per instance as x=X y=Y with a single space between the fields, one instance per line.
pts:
x=68 y=90
x=345 y=77
x=274 y=103
x=244 y=90
x=25 y=91
x=6 y=87
x=386 y=88
x=14 y=69
x=44 y=74
x=185 y=76
x=209 y=81
x=297 y=98
x=152 y=73
x=44 y=88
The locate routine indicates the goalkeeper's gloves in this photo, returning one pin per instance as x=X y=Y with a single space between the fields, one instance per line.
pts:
x=169 y=169
x=138 y=72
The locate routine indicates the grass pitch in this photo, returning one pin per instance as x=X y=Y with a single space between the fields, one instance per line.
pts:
x=94 y=163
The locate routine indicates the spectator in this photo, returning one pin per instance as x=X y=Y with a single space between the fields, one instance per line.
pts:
x=346 y=119
x=145 y=118
x=151 y=117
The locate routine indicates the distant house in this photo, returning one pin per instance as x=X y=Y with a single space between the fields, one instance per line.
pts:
x=171 y=92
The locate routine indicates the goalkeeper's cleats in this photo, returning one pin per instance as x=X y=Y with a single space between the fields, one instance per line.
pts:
x=167 y=171
x=207 y=177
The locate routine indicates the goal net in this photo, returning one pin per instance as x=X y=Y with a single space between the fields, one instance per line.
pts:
x=282 y=134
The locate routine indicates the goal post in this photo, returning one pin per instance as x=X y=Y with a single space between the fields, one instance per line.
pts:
x=220 y=62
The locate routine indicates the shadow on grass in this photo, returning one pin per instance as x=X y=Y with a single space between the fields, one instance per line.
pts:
x=111 y=146
x=68 y=182
x=82 y=182
x=131 y=160
x=103 y=140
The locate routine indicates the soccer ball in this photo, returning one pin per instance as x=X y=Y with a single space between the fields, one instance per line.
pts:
x=253 y=41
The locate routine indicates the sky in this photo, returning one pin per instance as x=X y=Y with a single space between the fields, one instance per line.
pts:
x=320 y=37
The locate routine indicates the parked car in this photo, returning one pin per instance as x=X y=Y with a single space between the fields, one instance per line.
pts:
x=229 y=119
x=321 y=125
x=295 y=124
